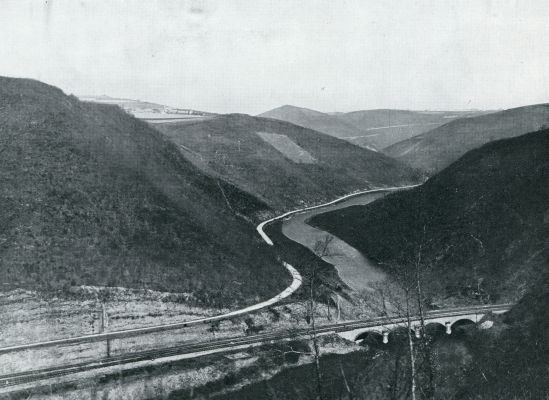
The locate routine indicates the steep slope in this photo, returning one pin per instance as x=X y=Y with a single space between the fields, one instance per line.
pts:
x=283 y=164
x=91 y=195
x=439 y=147
x=482 y=223
x=520 y=351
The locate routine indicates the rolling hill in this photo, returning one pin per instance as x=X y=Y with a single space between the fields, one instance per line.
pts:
x=374 y=129
x=437 y=148
x=482 y=223
x=315 y=120
x=92 y=196
x=385 y=127
x=282 y=164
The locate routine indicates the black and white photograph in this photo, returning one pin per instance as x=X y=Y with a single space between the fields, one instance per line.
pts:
x=274 y=199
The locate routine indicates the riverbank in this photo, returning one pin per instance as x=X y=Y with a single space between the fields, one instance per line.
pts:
x=355 y=270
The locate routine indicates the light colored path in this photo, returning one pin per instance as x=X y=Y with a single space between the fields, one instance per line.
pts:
x=350 y=330
x=296 y=283
x=376 y=128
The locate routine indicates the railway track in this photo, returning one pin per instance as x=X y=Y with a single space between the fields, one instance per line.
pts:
x=13 y=379
x=227 y=345
x=53 y=372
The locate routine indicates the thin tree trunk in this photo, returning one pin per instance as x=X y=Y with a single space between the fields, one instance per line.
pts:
x=349 y=392
x=315 y=341
x=394 y=388
x=424 y=339
x=411 y=348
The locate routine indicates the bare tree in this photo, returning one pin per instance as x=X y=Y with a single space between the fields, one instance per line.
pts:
x=347 y=387
x=214 y=327
x=425 y=341
x=410 y=346
x=321 y=250
x=316 y=287
x=395 y=297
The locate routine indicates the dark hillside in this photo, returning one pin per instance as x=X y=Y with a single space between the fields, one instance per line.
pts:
x=486 y=221
x=283 y=164
x=91 y=195
x=514 y=364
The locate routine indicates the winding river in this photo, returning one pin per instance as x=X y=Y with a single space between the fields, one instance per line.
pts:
x=353 y=267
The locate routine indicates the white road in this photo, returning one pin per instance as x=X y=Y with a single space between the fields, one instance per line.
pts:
x=296 y=283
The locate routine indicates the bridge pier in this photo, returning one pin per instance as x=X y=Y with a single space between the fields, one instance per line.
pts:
x=444 y=319
x=417 y=331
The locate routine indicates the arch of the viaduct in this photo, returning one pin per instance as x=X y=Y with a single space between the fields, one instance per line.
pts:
x=448 y=323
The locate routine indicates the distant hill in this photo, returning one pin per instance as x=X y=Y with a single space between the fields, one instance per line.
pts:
x=315 y=120
x=90 y=195
x=150 y=112
x=386 y=127
x=437 y=148
x=483 y=222
x=283 y=164
x=373 y=129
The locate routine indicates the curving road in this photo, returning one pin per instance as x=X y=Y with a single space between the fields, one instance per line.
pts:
x=296 y=283
x=195 y=348
x=268 y=240
x=354 y=269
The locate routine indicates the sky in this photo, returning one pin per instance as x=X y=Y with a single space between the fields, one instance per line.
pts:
x=254 y=55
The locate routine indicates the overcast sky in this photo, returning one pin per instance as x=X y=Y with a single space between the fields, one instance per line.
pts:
x=250 y=56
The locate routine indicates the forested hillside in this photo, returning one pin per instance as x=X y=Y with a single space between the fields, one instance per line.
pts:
x=92 y=196
x=284 y=165
x=481 y=225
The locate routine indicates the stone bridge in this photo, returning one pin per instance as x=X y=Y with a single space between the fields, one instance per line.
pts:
x=445 y=318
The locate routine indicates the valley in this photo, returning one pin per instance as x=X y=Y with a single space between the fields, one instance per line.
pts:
x=182 y=278
x=274 y=200
x=455 y=220
x=294 y=167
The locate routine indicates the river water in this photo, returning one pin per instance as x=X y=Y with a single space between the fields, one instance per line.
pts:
x=353 y=267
